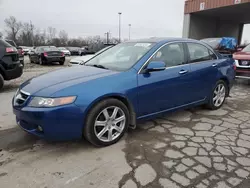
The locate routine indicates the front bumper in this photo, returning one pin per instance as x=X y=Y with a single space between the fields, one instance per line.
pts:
x=243 y=73
x=14 y=71
x=58 y=124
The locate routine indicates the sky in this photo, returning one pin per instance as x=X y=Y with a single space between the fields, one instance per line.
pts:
x=81 y=18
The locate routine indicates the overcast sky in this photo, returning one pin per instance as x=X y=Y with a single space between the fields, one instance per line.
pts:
x=95 y=17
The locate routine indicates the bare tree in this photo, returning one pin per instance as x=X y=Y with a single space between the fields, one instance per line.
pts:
x=13 y=27
x=51 y=33
x=27 y=34
x=63 y=36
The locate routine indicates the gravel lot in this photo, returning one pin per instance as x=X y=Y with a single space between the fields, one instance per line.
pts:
x=192 y=148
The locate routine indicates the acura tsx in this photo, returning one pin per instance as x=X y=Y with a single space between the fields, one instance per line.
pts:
x=131 y=81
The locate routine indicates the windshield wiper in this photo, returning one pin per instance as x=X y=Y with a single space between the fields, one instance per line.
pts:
x=99 y=66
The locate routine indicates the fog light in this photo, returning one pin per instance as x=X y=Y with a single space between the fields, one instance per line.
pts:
x=40 y=128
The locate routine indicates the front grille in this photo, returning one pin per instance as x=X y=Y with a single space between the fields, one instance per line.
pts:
x=244 y=62
x=20 y=97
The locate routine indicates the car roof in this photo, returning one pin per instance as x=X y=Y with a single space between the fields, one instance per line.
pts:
x=157 y=40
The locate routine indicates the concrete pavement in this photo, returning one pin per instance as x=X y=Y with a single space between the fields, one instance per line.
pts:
x=192 y=148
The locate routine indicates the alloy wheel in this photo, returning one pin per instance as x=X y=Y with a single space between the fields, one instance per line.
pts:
x=110 y=124
x=219 y=95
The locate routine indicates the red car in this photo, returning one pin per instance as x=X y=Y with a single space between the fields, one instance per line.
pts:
x=242 y=62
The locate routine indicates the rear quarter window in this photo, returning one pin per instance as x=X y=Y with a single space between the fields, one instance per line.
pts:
x=199 y=53
x=4 y=44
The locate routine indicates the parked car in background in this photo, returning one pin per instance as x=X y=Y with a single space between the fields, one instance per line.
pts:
x=132 y=81
x=226 y=46
x=25 y=50
x=10 y=66
x=74 y=50
x=86 y=51
x=19 y=49
x=31 y=50
x=64 y=50
x=81 y=60
x=242 y=60
x=46 y=55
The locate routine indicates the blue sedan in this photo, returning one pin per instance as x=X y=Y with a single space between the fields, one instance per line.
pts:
x=131 y=81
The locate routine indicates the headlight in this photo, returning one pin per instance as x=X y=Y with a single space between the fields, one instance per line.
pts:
x=51 y=102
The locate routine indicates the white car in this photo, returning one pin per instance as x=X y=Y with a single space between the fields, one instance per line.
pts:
x=82 y=59
x=65 y=51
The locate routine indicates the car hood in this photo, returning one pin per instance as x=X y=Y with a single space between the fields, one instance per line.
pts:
x=82 y=58
x=47 y=84
x=242 y=55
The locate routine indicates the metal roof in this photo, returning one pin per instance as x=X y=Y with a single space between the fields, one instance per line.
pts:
x=201 y=5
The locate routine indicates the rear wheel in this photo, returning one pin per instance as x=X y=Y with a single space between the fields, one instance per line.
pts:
x=218 y=95
x=61 y=62
x=1 y=81
x=106 y=122
x=41 y=62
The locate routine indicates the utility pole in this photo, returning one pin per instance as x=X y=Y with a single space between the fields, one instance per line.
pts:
x=129 y=30
x=32 y=33
x=108 y=36
x=120 y=14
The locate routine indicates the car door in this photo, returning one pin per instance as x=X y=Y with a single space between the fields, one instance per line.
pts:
x=204 y=70
x=34 y=54
x=167 y=89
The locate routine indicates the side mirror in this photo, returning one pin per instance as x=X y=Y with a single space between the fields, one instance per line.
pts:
x=154 y=66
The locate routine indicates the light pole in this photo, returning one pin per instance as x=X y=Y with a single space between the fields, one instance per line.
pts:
x=129 y=30
x=119 y=13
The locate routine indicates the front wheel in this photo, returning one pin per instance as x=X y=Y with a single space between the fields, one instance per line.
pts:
x=106 y=122
x=61 y=62
x=218 y=95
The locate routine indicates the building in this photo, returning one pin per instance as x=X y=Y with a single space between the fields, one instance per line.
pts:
x=215 y=18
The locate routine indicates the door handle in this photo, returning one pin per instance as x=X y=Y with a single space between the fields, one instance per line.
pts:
x=183 y=72
x=214 y=65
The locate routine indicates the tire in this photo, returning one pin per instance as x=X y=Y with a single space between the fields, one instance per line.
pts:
x=213 y=103
x=90 y=131
x=61 y=62
x=1 y=81
x=41 y=61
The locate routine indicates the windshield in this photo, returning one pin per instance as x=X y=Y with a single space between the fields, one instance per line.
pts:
x=73 y=48
x=62 y=48
x=120 y=57
x=213 y=42
x=50 y=48
x=246 y=49
x=102 y=50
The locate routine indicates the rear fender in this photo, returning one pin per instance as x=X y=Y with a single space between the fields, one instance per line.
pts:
x=2 y=71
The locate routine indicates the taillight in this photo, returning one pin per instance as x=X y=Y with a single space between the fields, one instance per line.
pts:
x=234 y=65
x=22 y=52
x=10 y=49
x=45 y=54
x=63 y=54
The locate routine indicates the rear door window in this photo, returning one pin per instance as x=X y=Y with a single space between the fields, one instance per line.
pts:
x=199 y=53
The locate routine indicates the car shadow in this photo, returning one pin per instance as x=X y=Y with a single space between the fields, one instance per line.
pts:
x=17 y=140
